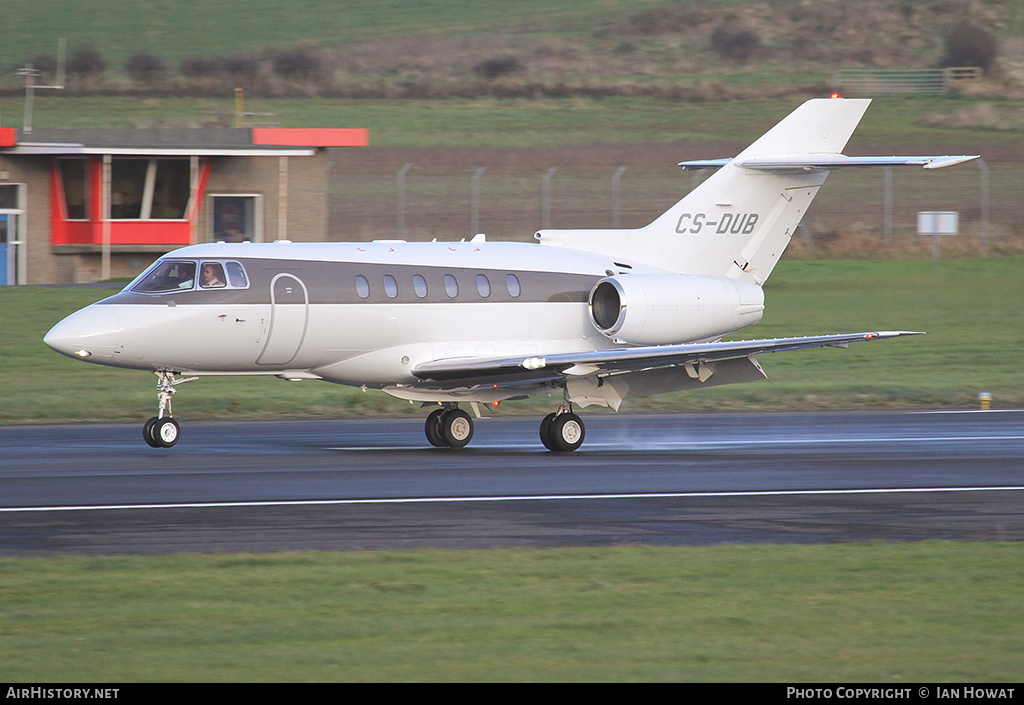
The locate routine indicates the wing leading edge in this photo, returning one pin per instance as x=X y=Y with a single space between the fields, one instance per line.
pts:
x=513 y=371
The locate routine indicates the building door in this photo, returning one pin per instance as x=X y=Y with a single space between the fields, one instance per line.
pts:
x=5 y=266
x=13 y=267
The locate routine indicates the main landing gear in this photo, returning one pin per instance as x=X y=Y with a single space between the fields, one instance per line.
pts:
x=562 y=430
x=162 y=431
x=451 y=427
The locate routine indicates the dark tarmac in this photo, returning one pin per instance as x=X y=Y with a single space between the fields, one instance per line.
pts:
x=644 y=480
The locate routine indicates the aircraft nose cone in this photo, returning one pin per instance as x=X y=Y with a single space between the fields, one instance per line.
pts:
x=92 y=334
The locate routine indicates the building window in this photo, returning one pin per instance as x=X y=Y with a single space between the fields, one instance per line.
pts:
x=235 y=218
x=74 y=178
x=149 y=189
x=172 y=188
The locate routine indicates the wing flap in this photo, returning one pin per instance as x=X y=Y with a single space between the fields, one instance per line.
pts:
x=533 y=369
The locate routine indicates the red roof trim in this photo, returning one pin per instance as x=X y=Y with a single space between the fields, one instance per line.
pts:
x=8 y=136
x=311 y=137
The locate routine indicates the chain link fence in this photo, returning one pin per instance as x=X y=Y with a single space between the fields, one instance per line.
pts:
x=867 y=209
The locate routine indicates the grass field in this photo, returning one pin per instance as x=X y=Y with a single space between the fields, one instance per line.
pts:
x=971 y=310
x=891 y=123
x=123 y=27
x=931 y=612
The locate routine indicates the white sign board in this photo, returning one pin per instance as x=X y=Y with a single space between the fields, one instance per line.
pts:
x=938 y=222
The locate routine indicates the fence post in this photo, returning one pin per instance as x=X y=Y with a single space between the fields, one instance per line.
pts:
x=474 y=201
x=984 y=201
x=545 y=198
x=400 y=200
x=887 y=201
x=615 y=195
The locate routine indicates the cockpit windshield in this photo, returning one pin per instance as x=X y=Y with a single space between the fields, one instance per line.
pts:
x=171 y=275
x=167 y=275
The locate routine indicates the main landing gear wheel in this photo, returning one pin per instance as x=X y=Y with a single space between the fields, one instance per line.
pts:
x=161 y=432
x=432 y=428
x=457 y=428
x=562 y=432
x=449 y=428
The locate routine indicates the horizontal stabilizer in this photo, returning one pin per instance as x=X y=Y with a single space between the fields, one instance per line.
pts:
x=810 y=162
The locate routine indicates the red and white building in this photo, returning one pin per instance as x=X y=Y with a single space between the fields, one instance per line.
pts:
x=82 y=205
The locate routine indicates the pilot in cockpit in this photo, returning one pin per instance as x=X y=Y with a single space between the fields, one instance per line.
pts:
x=211 y=275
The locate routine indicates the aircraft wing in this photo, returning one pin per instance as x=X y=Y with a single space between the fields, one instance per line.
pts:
x=511 y=371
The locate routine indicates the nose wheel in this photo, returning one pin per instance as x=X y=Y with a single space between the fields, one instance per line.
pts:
x=162 y=431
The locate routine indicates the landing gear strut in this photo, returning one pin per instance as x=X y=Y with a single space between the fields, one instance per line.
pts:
x=449 y=427
x=162 y=431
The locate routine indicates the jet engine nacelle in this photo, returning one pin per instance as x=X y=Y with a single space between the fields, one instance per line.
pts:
x=660 y=309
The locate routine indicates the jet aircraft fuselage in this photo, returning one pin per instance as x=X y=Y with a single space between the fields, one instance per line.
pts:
x=594 y=316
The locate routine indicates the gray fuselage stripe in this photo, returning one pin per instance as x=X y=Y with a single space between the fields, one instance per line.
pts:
x=335 y=283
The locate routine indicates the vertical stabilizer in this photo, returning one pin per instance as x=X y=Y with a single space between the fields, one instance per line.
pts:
x=738 y=221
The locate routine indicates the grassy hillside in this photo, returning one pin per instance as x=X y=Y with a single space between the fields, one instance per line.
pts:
x=673 y=49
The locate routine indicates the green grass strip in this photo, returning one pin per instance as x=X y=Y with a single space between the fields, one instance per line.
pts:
x=893 y=613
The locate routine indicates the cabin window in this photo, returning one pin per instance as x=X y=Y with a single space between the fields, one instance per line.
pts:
x=362 y=287
x=166 y=276
x=512 y=284
x=451 y=286
x=390 y=286
x=419 y=285
x=483 y=286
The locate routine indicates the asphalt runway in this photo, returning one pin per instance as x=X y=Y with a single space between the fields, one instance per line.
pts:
x=375 y=484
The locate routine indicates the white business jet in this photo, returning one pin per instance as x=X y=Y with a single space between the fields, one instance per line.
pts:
x=592 y=316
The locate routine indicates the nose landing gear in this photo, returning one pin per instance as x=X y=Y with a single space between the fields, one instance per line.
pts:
x=162 y=431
